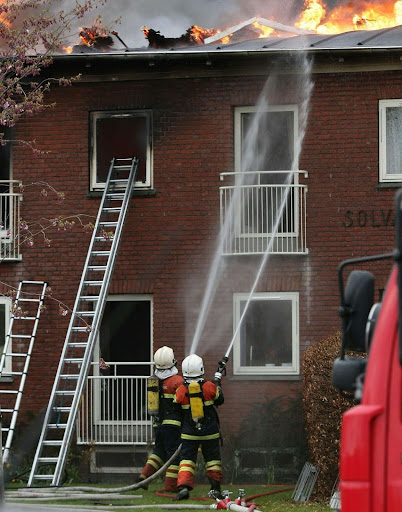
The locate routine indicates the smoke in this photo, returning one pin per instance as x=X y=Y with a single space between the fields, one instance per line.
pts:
x=173 y=17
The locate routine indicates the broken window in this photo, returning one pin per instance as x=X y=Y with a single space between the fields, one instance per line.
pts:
x=390 y=146
x=268 y=340
x=124 y=134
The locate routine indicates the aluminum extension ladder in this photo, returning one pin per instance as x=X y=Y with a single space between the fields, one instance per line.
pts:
x=76 y=357
x=18 y=345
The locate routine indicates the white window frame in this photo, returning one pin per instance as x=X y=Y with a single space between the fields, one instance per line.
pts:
x=294 y=368
x=239 y=111
x=384 y=176
x=147 y=114
x=7 y=317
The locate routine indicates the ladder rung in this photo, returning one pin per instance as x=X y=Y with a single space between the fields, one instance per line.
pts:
x=85 y=313
x=41 y=283
x=113 y=196
x=93 y=283
x=24 y=317
x=25 y=336
x=89 y=297
x=69 y=376
x=43 y=477
x=28 y=300
x=75 y=360
x=111 y=209
x=104 y=239
x=119 y=180
x=79 y=329
x=108 y=224
x=65 y=393
x=14 y=354
x=17 y=374
x=100 y=253
x=98 y=268
x=82 y=344
x=9 y=391
x=57 y=425
x=7 y=410
x=53 y=460
x=61 y=409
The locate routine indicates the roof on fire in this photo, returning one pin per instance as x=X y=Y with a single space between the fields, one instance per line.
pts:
x=383 y=39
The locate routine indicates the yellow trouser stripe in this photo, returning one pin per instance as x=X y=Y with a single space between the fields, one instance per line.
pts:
x=155 y=461
x=213 y=463
x=200 y=438
x=171 y=475
x=168 y=395
x=171 y=422
x=209 y=402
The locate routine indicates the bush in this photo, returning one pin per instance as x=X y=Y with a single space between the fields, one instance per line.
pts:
x=323 y=408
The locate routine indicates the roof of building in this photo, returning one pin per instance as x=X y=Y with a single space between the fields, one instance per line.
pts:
x=357 y=40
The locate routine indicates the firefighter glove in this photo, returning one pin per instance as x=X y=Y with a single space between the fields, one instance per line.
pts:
x=218 y=376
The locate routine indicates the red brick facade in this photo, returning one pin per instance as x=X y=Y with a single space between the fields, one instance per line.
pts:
x=169 y=237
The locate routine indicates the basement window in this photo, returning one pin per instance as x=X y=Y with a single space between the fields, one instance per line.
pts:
x=390 y=142
x=267 y=342
x=5 y=313
x=121 y=134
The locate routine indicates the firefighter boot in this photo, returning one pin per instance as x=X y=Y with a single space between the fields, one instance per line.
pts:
x=216 y=489
x=140 y=479
x=183 y=493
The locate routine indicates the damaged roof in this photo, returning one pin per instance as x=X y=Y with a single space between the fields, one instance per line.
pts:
x=382 y=39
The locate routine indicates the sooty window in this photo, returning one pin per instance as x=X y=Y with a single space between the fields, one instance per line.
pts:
x=121 y=134
x=267 y=342
x=390 y=140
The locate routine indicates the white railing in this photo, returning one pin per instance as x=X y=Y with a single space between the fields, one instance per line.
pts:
x=10 y=201
x=113 y=409
x=261 y=210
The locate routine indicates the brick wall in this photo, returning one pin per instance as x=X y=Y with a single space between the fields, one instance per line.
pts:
x=169 y=238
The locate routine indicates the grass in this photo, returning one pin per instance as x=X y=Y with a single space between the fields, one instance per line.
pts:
x=276 y=502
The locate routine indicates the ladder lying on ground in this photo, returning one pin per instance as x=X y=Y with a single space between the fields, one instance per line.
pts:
x=75 y=361
x=18 y=345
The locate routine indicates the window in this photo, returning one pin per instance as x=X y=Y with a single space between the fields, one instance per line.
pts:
x=5 y=313
x=268 y=339
x=122 y=134
x=390 y=147
x=271 y=203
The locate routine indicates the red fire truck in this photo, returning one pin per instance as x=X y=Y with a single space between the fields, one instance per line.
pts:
x=371 y=435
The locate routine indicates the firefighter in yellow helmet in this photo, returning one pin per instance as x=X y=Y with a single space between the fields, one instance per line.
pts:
x=166 y=415
x=198 y=399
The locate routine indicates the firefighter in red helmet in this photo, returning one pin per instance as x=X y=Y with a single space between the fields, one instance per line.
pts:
x=166 y=415
x=198 y=399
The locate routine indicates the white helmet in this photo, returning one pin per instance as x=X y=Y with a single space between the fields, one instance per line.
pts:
x=164 y=358
x=192 y=366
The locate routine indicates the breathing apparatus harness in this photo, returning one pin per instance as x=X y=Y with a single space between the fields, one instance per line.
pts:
x=154 y=394
x=196 y=399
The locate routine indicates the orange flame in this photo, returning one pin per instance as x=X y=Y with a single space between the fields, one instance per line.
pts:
x=198 y=34
x=358 y=15
x=67 y=49
x=265 y=31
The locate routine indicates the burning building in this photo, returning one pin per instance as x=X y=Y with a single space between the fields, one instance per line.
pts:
x=187 y=110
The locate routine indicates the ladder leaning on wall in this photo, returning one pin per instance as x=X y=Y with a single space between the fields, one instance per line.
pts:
x=16 y=356
x=75 y=360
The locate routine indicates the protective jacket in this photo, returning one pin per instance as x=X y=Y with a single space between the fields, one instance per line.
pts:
x=169 y=412
x=209 y=429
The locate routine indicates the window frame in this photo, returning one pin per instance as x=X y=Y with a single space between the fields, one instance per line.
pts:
x=384 y=176
x=7 y=319
x=96 y=185
x=294 y=369
x=238 y=138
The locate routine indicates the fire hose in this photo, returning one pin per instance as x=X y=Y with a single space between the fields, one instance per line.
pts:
x=132 y=487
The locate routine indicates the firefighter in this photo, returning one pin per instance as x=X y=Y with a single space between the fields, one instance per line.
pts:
x=166 y=415
x=200 y=428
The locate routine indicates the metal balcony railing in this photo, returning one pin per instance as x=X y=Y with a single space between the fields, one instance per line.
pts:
x=10 y=201
x=263 y=211
x=113 y=409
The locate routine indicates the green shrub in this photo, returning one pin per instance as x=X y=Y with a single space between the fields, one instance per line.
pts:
x=323 y=408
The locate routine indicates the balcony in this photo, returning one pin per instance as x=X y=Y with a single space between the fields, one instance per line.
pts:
x=114 y=407
x=263 y=212
x=10 y=201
